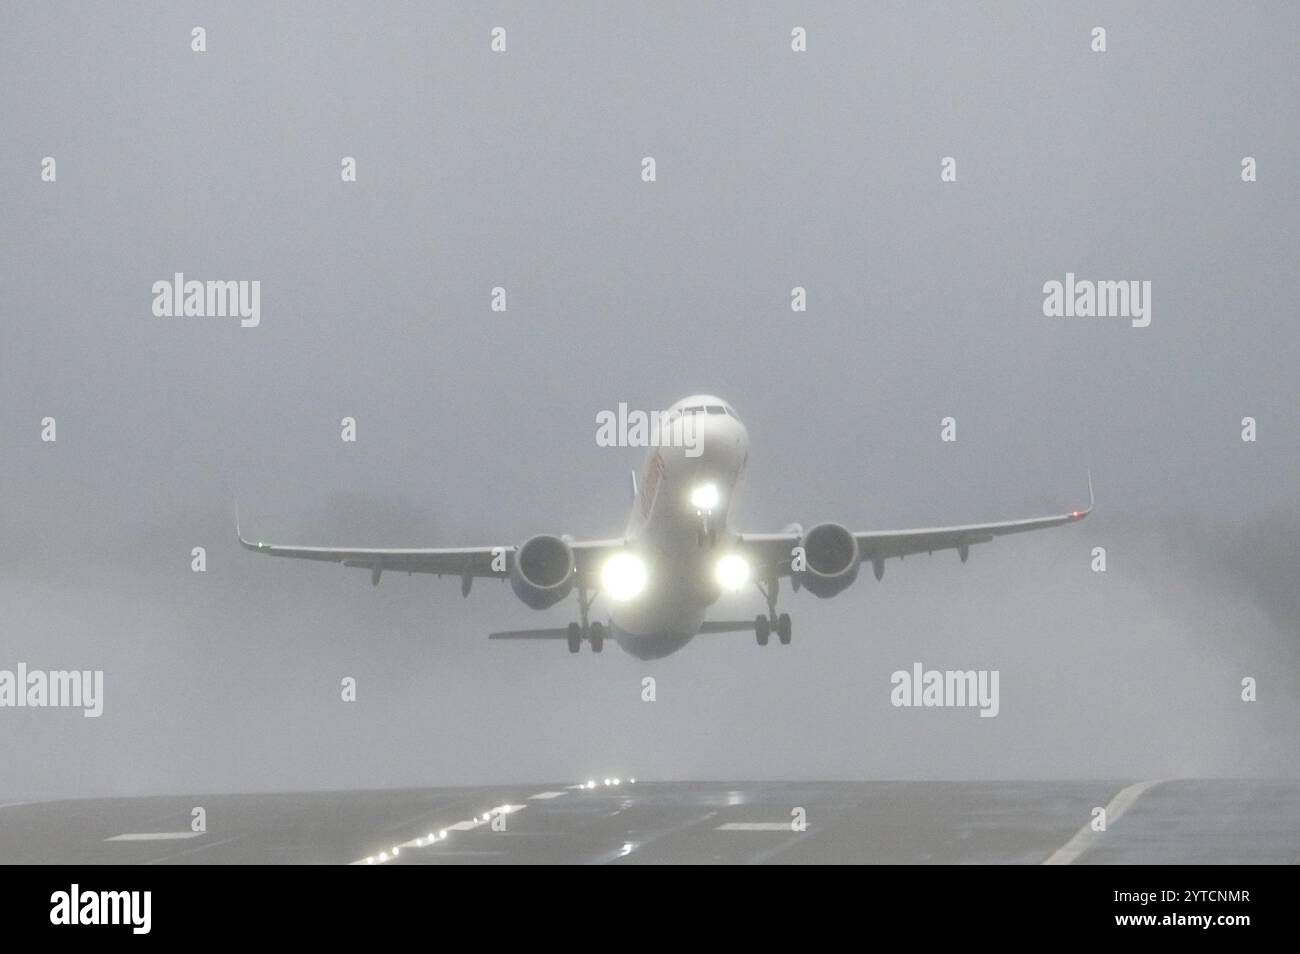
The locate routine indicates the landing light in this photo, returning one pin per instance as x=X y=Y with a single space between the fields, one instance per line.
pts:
x=731 y=572
x=623 y=576
x=704 y=497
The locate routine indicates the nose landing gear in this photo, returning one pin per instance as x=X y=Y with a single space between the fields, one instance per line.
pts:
x=706 y=534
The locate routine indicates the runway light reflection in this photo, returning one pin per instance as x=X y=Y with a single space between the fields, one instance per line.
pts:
x=474 y=822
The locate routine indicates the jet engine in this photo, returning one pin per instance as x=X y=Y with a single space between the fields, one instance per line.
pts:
x=541 y=573
x=831 y=557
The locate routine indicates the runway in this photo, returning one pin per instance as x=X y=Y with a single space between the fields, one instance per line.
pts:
x=901 y=822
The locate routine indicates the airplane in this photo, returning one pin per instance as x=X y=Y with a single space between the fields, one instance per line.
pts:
x=678 y=553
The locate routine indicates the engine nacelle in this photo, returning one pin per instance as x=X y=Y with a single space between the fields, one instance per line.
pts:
x=832 y=558
x=541 y=573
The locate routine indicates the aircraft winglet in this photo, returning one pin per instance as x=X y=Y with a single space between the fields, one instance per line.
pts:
x=239 y=535
x=1080 y=514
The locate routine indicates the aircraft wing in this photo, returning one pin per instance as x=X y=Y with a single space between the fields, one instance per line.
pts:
x=468 y=563
x=769 y=553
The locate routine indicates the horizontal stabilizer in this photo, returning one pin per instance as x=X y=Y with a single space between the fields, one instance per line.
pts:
x=531 y=634
x=728 y=626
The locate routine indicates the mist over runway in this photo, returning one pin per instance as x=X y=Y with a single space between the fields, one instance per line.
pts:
x=228 y=684
x=1173 y=822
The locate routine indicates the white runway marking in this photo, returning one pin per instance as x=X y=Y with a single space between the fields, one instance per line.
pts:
x=756 y=826
x=547 y=795
x=155 y=836
x=1086 y=838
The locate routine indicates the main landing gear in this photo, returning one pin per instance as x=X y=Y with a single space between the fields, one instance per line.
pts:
x=764 y=625
x=593 y=633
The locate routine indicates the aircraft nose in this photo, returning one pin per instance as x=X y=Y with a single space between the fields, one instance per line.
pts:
x=733 y=432
x=724 y=437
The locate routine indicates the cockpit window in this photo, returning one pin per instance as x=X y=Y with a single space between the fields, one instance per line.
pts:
x=715 y=409
x=692 y=410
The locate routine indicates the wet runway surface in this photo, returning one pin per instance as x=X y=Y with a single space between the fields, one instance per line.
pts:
x=905 y=822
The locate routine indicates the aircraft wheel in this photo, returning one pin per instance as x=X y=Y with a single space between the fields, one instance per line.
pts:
x=783 y=629
x=597 y=637
x=575 y=637
x=762 y=629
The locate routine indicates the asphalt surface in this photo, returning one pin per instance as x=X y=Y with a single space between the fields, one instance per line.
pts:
x=905 y=822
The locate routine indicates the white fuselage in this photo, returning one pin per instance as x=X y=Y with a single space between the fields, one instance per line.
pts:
x=679 y=542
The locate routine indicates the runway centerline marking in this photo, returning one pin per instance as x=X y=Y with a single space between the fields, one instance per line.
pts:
x=1086 y=838
x=541 y=795
x=155 y=836
x=755 y=826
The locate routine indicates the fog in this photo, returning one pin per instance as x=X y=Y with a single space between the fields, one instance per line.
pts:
x=523 y=170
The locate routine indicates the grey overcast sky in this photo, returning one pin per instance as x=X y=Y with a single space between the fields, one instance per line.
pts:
x=522 y=169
